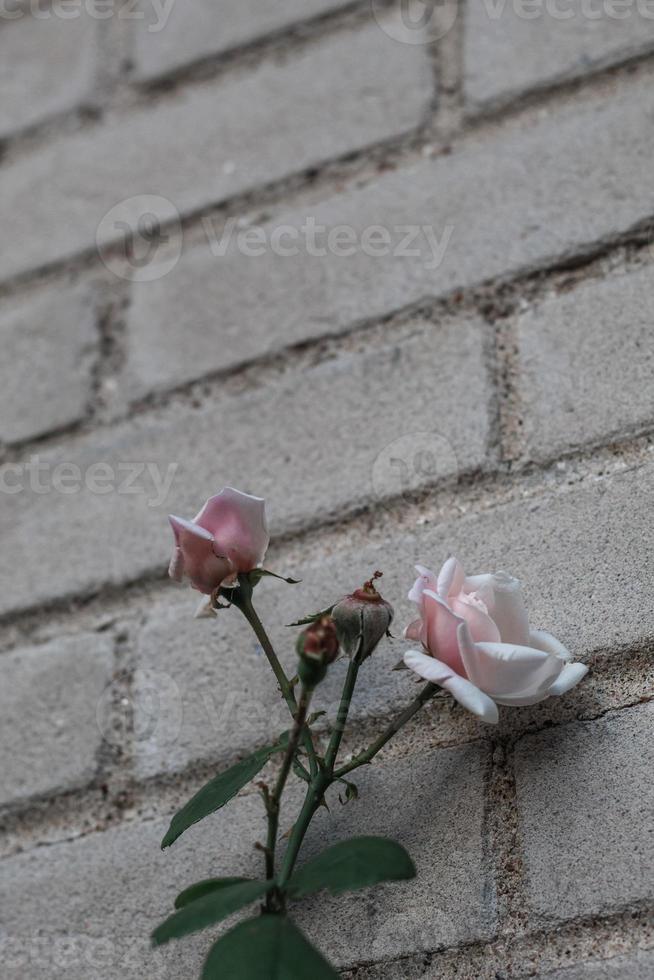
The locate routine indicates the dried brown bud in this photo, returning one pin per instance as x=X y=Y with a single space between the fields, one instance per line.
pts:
x=362 y=619
x=317 y=647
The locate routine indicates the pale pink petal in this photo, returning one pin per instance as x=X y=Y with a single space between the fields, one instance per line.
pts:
x=568 y=678
x=450 y=578
x=440 y=636
x=523 y=700
x=237 y=522
x=414 y=631
x=426 y=580
x=483 y=586
x=543 y=640
x=479 y=622
x=204 y=568
x=509 y=611
x=461 y=689
x=205 y=609
x=504 y=670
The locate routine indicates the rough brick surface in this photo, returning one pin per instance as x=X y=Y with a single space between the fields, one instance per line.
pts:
x=325 y=325
x=212 y=677
x=200 y=28
x=496 y=205
x=585 y=799
x=325 y=454
x=225 y=137
x=511 y=47
x=639 y=966
x=588 y=364
x=48 y=348
x=48 y=699
x=108 y=890
x=47 y=65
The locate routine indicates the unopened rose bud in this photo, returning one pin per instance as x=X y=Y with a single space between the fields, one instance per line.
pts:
x=317 y=647
x=362 y=619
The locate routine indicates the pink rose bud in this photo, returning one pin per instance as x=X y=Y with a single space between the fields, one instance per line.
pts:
x=362 y=619
x=228 y=536
x=317 y=647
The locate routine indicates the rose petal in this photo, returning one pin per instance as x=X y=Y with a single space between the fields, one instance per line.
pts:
x=426 y=580
x=504 y=670
x=543 y=640
x=413 y=631
x=450 y=578
x=237 y=522
x=509 y=611
x=461 y=689
x=483 y=586
x=481 y=626
x=568 y=678
x=440 y=626
x=205 y=569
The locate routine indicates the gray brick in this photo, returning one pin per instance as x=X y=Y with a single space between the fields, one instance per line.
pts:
x=637 y=966
x=574 y=551
x=511 y=47
x=48 y=700
x=208 y=142
x=318 y=458
x=201 y=28
x=500 y=203
x=47 y=65
x=588 y=364
x=585 y=801
x=106 y=891
x=48 y=344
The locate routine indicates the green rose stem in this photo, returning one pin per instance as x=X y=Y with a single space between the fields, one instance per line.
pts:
x=427 y=693
x=327 y=775
x=273 y=799
x=341 y=716
x=242 y=599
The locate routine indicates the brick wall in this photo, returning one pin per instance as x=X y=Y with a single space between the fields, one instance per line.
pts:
x=283 y=246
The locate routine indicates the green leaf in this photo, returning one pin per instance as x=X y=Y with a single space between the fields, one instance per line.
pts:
x=211 y=908
x=218 y=791
x=202 y=888
x=354 y=863
x=312 y=617
x=351 y=792
x=268 y=948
